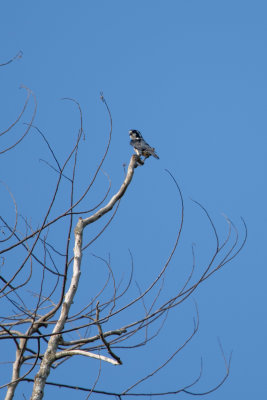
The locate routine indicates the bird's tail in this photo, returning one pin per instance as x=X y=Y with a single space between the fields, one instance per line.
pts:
x=154 y=154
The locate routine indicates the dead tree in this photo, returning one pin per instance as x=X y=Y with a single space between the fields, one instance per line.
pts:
x=40 y=322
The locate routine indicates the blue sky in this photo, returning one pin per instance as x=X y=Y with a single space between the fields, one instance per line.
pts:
x=191 y=76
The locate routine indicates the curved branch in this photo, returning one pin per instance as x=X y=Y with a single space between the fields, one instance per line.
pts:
x=16 y=57
x=29 y=127
x=70 y=353
x=117 y=196
x=13 y=230
x=19 y=116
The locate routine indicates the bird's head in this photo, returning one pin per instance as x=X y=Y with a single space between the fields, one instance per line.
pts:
x=134 y=134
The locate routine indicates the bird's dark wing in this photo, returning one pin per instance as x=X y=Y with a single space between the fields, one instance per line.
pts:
x=148 y=150
x=143 y=148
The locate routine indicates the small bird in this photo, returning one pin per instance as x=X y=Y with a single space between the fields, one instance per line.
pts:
x=141 y=147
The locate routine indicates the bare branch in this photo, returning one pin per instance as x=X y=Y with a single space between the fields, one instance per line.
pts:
x=117 y=332
x=107 y=345
x=16 y=57
x=69 y=353
x=116 y=197
x=16 y=214
x=28 y=129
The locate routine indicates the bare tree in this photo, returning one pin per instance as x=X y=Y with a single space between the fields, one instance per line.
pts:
x=40 y=321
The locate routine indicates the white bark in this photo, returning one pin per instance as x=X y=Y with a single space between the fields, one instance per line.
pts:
x=69 y=353
x=51 y=354
x=15 y=376
x=16 y=368
x=117 y=196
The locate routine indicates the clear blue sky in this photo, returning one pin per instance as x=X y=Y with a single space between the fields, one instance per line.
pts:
x=191 y=76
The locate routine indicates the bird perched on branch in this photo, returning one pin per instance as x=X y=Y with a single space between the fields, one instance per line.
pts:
x=141 y=147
